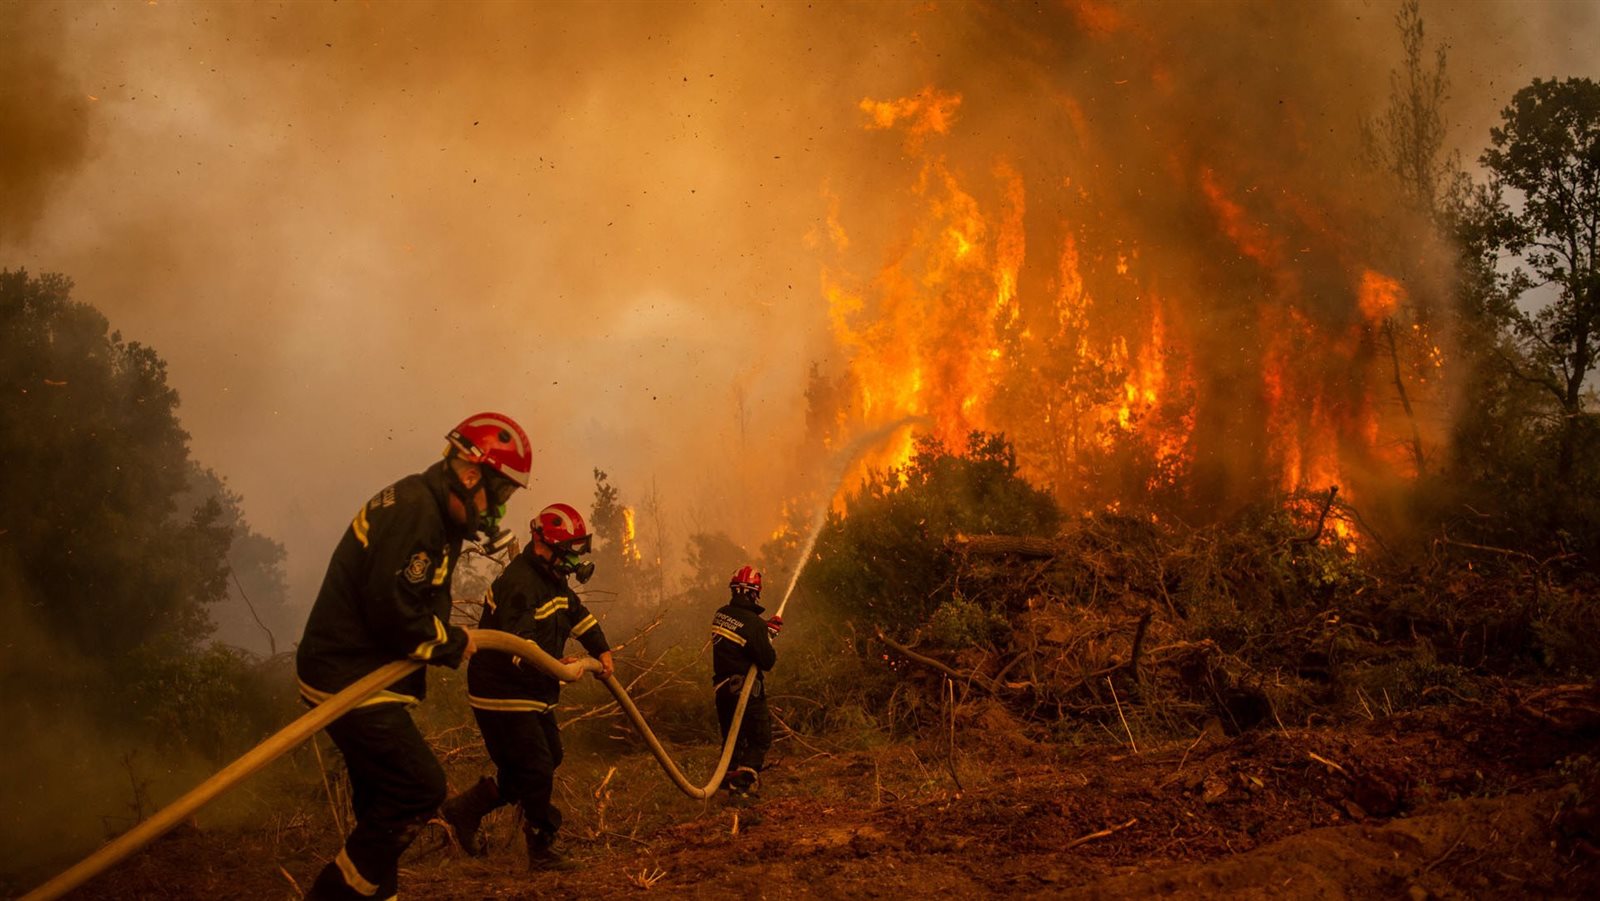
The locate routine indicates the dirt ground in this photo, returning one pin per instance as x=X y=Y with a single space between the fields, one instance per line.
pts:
x=1456 y=802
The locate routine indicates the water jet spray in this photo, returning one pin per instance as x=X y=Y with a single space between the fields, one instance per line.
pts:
x=846 y=459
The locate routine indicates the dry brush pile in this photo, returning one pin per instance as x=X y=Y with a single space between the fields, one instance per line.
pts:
x=1136 y=626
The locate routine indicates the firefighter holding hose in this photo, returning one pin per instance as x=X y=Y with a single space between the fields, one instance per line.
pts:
x=514 y=703
x=740 y=638
x=386 y=597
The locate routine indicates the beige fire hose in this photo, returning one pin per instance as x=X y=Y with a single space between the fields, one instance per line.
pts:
x=320 y=716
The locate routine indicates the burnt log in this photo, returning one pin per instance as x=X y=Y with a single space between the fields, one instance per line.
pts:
x=997 y=545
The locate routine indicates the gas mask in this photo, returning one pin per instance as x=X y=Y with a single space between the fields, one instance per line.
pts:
x=497 y=491
x=569 y=564
x=495 y=539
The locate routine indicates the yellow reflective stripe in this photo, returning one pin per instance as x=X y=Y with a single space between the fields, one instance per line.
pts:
x=584 y=625
x=443 y=572
x=488 y=600
x=424 y=651
x=550 y=608
x=353 y=877
x=315 y=696
x=510 y=705
x=359 y=525
x=734 y=637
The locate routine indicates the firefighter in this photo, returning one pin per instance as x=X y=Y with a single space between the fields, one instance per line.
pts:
x=514 y=703
x=740 y=638
x=386 y=596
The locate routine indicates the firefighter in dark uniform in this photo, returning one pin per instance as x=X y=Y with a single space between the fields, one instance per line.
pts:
x=514 y=702
x=386 y=597
x=740 y=638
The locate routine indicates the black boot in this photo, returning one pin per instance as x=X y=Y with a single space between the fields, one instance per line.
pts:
x=542 y=854
x=742 y=782
x=334 y=883
x=465 y=812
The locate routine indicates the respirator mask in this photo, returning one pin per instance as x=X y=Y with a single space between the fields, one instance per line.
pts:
x=494 y=539
x=497 y=490
x=568 y=559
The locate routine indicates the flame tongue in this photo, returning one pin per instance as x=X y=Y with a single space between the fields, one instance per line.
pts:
x=1118 y=372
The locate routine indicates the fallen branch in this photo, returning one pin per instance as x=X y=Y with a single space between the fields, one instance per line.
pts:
x=982 y=680
x=995 y=545
x=791 y=733
x=1322 y=519
x=1138 y=642
x=1447 y=852
x=327 y=788
x=1094 y=835
x=1131 y=742
x=602 y=798
x=298 y=892
x=1506 y=552
x=1328 y=763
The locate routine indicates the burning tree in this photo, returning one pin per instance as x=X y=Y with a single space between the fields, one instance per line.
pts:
x=1157 y=312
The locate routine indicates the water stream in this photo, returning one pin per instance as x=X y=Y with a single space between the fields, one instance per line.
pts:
x=845 y=459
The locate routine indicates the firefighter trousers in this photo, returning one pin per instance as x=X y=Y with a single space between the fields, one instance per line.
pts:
x=755 y=730
x=526 y=749
x=395 y=784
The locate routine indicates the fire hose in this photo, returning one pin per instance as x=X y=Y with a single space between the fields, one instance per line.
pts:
x=292 y=735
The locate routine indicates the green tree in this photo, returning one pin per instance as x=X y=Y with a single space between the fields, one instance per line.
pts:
x=713 y=558
x=96 y=465
x=256 y=614
x=1539 y=219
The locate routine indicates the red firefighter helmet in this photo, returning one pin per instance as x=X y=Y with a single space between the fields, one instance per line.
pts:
x=562 y=526
x=746 y=581
x=496 y=441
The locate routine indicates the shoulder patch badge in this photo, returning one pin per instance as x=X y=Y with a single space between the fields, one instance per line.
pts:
x=417 y=569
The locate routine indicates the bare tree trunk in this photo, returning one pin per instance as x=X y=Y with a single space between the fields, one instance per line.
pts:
x=1405 y=399
x=1572 y=403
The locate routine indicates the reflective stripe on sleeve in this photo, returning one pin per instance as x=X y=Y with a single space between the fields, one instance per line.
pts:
x=735 y=637
x=551 y=608
x=425 y=650
x=584 y=625
x=359 y=525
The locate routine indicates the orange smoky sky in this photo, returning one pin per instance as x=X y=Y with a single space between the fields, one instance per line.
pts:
x=347 y=225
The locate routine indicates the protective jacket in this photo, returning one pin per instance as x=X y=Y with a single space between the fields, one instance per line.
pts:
x=533 y=601
x=386 y=595
x=739 y=638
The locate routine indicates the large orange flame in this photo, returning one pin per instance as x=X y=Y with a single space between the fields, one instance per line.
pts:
x=1094 y=369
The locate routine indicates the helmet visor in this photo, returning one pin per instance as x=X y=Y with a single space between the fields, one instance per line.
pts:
x=578 y=545
x=497 y=486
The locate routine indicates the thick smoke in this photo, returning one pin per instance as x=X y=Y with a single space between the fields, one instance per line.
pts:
x=44 y=136
x=347 y=225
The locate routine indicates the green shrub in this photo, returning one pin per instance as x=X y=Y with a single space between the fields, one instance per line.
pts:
x=960 y=623
x=215 y=703
x=884 y=559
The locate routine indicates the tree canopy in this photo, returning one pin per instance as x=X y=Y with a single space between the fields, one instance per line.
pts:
x=96 y=513
x=1539 y=215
